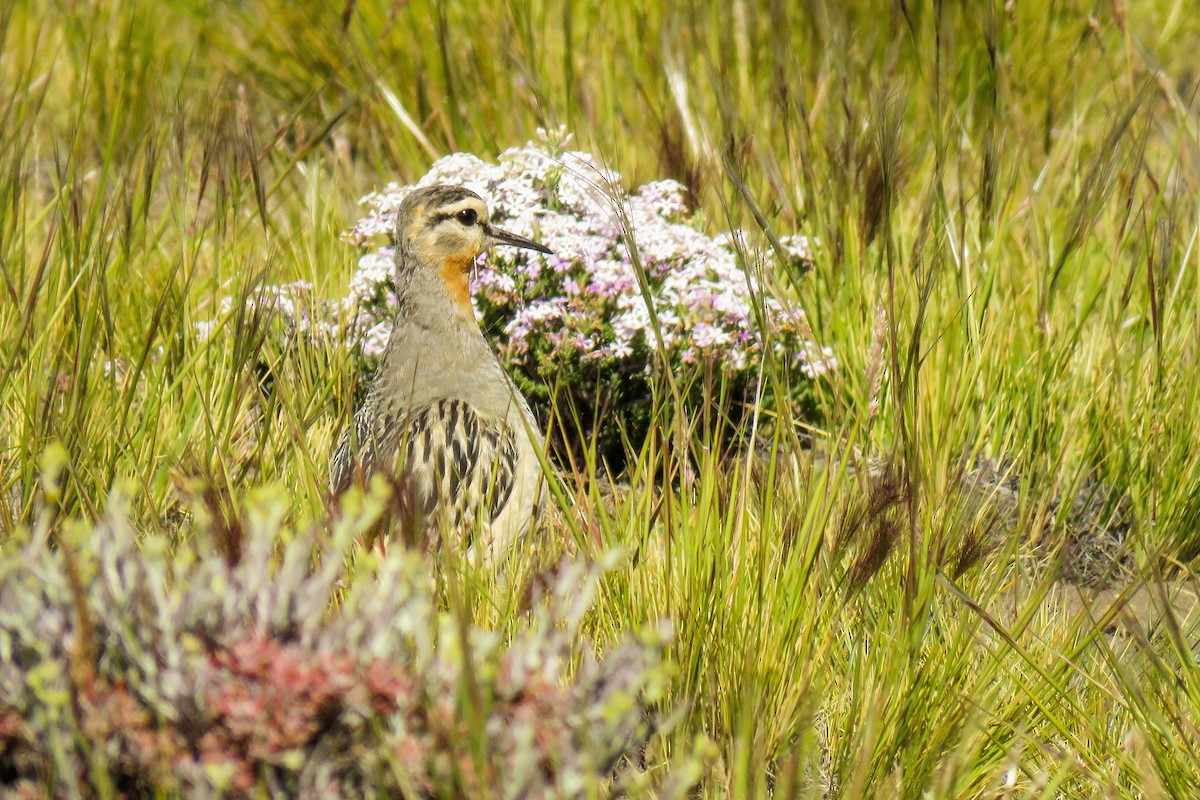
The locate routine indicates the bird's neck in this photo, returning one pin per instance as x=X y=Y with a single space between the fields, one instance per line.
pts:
x=435 y=319
x=436 y=347
x=455 y=274
x=437 y=298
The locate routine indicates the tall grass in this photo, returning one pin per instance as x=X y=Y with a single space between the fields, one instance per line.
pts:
x=1006 y=199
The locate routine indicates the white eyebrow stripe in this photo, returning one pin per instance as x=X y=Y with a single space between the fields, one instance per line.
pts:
x=462 y=205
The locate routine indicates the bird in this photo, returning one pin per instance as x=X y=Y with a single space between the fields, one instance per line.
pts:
x=441 y=414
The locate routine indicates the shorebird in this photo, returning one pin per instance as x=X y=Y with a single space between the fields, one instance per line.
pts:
x=441 y=414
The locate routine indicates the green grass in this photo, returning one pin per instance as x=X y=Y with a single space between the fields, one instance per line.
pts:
x=1006 y=197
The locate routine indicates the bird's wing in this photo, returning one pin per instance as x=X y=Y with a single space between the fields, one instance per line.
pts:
x=455 y=460
x=356 y=453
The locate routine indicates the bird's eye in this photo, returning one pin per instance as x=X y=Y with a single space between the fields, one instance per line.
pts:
x=467 y=216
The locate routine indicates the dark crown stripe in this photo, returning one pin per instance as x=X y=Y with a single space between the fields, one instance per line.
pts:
x=434 y=196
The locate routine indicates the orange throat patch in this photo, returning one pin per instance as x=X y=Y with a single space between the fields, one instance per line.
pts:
x=456 y=275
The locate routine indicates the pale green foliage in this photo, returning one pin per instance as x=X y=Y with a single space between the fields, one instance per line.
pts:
x=187 y=674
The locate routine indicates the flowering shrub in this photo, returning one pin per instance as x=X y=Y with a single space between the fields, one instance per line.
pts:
x=581 y=315
x=128 y=672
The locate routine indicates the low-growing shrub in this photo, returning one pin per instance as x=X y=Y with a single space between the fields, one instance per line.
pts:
x=126 y=671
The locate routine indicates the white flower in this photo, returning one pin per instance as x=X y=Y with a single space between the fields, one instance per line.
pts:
x=798 y=246
x=816 y=361
x=375 y=340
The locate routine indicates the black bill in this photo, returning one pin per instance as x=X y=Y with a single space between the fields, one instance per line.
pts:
x=504 y=237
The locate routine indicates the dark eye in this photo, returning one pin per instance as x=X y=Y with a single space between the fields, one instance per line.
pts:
x=467 y=216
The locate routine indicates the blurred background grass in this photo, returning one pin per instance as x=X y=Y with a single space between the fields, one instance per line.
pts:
x=1006 y=200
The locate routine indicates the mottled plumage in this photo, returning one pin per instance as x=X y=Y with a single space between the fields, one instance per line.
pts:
x=456 y=462
x=440 y=413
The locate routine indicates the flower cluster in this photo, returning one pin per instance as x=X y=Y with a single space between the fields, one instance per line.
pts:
x=135 y=673
x=630 y=273
x=634 y=284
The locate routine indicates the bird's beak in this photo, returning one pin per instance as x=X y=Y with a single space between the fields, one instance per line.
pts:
x=504 y=237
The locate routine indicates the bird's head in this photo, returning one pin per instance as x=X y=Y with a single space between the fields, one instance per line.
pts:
x=444 y=228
